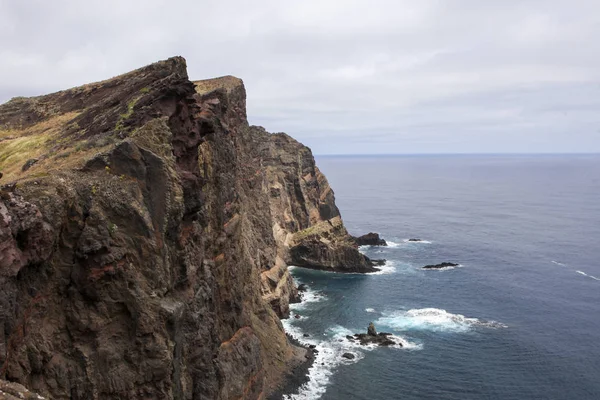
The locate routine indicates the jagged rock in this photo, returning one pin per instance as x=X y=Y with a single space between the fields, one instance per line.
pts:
x=372 y=337
x=371 y=330
x=302 y=287
x=441 y=265
x=328 y=246
x=14 y=391
x=370 y=239
x=349 y=356
x=149 y=258
x=377 y=262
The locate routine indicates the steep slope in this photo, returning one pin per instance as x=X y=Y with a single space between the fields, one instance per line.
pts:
x=145 y=230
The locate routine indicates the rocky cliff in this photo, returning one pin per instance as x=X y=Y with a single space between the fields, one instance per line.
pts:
x=145 y=233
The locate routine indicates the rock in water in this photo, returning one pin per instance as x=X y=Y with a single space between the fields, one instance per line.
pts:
x=414 y=240
x=372 y=337
x=370 y=239
x=371 y=330
x=441 y=265
x=349 y=356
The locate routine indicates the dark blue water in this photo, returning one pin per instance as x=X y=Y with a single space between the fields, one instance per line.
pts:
x=520 y=319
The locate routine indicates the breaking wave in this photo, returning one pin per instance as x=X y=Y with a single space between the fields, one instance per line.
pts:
x=589 y=276
x=433 y=319
x=385 y=269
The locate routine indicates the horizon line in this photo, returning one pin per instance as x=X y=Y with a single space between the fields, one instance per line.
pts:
x=457 y=154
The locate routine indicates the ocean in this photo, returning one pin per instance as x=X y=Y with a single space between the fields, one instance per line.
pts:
x=518 y=319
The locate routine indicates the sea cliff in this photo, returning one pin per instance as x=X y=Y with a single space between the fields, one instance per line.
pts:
x=145 y=234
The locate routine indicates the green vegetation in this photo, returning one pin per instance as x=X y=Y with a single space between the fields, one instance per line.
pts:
x=123 y=117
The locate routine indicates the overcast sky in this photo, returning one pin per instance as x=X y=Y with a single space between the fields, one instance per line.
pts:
x=343 y=77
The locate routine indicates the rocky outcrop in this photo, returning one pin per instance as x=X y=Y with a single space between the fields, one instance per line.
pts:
x=441 y=265
x=14 y=391
x=144 y=253
x=372 y=337
x=370 y=239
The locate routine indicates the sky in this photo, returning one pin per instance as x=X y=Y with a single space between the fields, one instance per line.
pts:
x=343 y=77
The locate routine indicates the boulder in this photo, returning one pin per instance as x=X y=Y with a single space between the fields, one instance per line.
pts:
x=349 y=356
x=370 y=239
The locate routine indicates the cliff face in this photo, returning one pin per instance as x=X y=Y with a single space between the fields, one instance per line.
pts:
x=145 y=230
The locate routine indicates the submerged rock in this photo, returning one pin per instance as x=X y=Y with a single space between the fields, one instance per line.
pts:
x=441 y=265
x=349 y=356
x=370 y=239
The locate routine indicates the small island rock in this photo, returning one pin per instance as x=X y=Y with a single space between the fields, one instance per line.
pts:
x=370 y=239
x=441 y=265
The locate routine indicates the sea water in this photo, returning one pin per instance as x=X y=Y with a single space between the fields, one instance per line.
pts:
x=518 y=319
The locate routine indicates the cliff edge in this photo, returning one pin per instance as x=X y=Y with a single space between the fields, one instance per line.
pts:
x=145 y=233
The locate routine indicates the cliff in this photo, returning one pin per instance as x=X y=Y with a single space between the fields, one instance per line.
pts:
x=145 y=233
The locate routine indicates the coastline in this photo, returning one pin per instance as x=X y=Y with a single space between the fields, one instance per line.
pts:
x=296 y=376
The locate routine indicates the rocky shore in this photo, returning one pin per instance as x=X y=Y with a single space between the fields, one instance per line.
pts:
x=146 y=229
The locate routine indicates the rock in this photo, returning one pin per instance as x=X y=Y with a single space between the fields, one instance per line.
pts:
x=15 y=391
x=302 y=287
x=349 y=356
x=414 y=240
x=28 y=164
x=328 y=246
x=349 y=337
x=312 y=346
x=297 y=316
x=370 y=239
x=371 y=330
x=442 y=265
x=306 y=335
x=162 y=219
x=378 y=262
x=371 y=337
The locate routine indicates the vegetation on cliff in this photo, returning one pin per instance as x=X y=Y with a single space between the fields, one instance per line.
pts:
x=146 y=230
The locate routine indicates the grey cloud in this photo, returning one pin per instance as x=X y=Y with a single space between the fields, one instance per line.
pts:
x=343 y=76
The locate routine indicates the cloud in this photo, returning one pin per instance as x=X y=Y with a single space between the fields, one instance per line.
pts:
x=342 y=76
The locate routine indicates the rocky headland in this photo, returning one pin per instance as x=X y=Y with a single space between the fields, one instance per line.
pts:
x=145 y=234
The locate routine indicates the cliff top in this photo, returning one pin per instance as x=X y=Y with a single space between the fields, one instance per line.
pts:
x=63 y=130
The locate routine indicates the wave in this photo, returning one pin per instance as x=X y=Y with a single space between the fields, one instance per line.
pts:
x=433 y=319
x=558 y=263
x=372 y=310
x=329 y=356
x=589 y=276
x=385 y=269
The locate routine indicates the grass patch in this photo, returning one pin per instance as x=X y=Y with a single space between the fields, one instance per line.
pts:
x=123 y=117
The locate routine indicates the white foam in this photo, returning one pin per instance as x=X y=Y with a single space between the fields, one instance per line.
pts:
x=385 y=269
x=309 y=296
x=432 y=319
x=392 y=245
x=370 y=310
x=558 y=263
x=589 y=276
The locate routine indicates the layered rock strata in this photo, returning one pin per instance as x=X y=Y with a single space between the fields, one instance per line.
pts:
x=145 y=233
